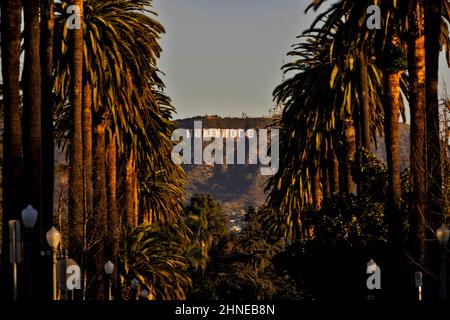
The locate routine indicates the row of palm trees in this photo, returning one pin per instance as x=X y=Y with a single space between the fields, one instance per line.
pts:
x=365 y=77
x=96 y=91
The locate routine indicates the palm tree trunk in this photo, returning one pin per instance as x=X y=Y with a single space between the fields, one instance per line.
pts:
x=365 y=110
x=129 y=187
x=317 y=195
x=334 y=173
x=77 y=223
x=100 y=209
x=47 y=132
x=357 y=158
x=325 y=177
x=416 y=57
x=31 y=128
x=136 y=218
x=12 y=136
x=433 y=12
x=349 y=152
x=113 y=216
x=87 y=148
x=47 y=27
x=32 y=154
x=392 y=131
x=392 y=137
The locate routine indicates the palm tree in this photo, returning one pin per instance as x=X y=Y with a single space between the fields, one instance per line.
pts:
x=319 y=125
x=12 y=136
x=120 y=40
x=153 y=257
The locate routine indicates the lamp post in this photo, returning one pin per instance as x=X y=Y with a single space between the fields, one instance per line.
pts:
x=134 y=288
x=53 y=238
x=443 y=234
x=15 y=256
x=144 y=294
x=29 y=218
x=109 y=269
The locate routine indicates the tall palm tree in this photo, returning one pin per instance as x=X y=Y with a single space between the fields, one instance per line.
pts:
x=319 y=125
x=388 y=50
x=120 y=40
x=12 y=136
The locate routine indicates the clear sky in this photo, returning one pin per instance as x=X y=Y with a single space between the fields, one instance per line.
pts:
x=224 y=56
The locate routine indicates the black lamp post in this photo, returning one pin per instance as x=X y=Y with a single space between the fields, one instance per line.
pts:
x=29 y=218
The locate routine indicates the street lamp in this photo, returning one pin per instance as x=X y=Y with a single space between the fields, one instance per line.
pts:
x=53 y=238
x=443 y=235
x=134 y=288
x=144 y=294
x=109 y=269
x=29 y=219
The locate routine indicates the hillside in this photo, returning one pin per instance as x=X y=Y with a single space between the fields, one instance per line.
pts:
x=236 y=186
x=241 y=186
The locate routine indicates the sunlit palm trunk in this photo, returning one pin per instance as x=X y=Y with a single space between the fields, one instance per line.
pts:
x=12 y=136
x=416 y=57
x=130 y=191
x=316 y=190
x=113 y=217
x=392 y=140
x=136 y=218
x=87 y=147
x=347 y=154
x=99 y=218
x=392 y=115
x=77 y=221
x=433 y=12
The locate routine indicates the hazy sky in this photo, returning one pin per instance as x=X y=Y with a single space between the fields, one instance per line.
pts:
x=224 y=56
